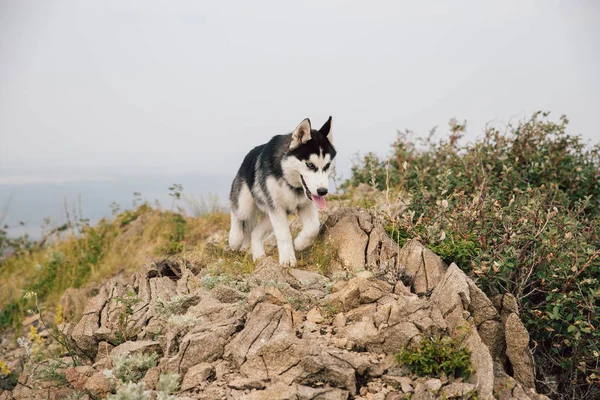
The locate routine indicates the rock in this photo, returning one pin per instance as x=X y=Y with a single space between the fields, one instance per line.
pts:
x=359 y=291
x=281 y=391
x=492 y=335
x=151 y=378
x=343 y=232
x=310 y=280
x=72 y=303
x=196 y=375
x=130 y=348
x=457 y=390
x=200 y=347
x=98 y=385
x=433 y=385
x=424 y=267
x=453 y=297
x=77 y=376
x=364 y=274
x=401 y=289
x=506 y=304
x=266 y=322
x=339 y=321
x=452 y=292
x=83 y=332
x=517 y=350
x=403 y=383
x=360 y=333
x=245 y=383
x=395 y=337
x=227 y=294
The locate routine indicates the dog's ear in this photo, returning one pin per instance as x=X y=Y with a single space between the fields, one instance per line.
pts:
x=326 y=130
x=302 y=134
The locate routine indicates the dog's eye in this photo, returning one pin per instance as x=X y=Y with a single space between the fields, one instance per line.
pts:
x=310 y=165
x=327 y=167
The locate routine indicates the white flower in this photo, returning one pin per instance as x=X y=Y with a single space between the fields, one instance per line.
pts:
x=443 y=236
x=445 y=203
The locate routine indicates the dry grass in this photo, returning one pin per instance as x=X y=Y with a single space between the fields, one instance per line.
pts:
x=120 y=245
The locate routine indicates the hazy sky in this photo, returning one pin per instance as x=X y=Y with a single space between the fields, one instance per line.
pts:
x=193 y=85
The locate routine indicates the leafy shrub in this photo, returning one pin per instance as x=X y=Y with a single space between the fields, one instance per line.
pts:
x=519 y=211
x=133 y=368
x=437 y=355
x=167 y=385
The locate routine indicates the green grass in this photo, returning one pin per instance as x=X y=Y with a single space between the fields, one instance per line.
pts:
x=437 y=355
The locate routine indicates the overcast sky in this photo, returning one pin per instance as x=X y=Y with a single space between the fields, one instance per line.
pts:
x=193 y=85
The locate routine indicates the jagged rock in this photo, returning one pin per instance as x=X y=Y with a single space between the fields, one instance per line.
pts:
x=433 y=385
x=359 y=291
x=245 y=383
x=506 y=304
x=151 y=378
x=227 y=294
x=382 y=252
x=266 y=322
x=129 y=349
x=339 y=321
x=314 y=315
x=205 y=345
x=196 y=375
x=98 y=385
x=281 y=391
x=73 y=302
x=453 y=297
x=77 y=376
x=403 y=383
x=343 y=232
x=420 y=264
x=457 y=390
x=82 y=333
x=310 y=280
x=517 y=350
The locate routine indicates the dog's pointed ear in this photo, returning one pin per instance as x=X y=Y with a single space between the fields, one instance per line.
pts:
x=302 y=134
x=326 y=130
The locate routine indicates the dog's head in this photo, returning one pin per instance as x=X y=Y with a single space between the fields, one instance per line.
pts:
x=310 y=160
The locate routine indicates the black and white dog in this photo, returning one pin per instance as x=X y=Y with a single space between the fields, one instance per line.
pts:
x=290 y=172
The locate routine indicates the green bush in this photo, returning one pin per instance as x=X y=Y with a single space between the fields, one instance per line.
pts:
x=519 y=211
x=437 y=355
x=133 y=368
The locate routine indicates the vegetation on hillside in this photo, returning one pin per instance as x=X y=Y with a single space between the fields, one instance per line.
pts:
x=519 y=210
x=78 y=254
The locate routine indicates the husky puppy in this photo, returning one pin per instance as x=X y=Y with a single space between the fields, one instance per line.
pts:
x=288 y=173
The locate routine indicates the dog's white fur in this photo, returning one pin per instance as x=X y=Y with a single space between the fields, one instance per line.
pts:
x=264 y=220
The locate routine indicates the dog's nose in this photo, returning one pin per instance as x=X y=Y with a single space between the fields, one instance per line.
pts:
x=321 y=191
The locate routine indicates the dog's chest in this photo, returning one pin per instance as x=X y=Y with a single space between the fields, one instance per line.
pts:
x=288 y=198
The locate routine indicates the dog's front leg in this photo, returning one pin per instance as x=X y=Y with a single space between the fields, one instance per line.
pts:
x=281 y=228
x=309 y=217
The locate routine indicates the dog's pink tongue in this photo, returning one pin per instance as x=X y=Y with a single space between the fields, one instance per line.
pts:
x=319 y=201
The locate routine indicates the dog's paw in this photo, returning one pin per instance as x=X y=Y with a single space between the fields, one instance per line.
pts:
x=301 y=243
x=258 y=255
x=289 y=261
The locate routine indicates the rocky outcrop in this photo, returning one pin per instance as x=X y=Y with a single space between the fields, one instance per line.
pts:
x=295 y=334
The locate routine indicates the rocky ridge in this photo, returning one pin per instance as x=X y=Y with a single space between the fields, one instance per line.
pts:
x=296 y=334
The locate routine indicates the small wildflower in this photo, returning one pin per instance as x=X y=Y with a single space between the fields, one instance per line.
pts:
x=4 y=371
x=58 y=317
x=29 y=295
